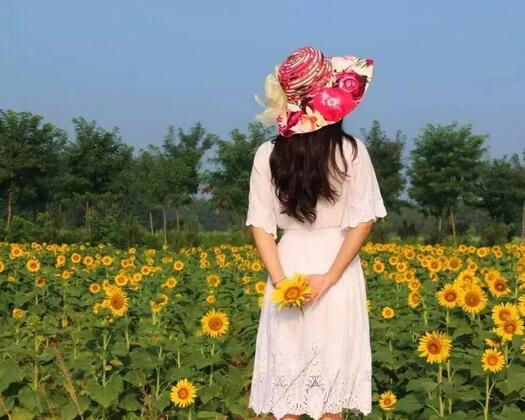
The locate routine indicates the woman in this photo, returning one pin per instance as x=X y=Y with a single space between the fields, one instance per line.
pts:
x=318 y=184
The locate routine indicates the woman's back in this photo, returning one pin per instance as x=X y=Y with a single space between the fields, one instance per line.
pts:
x=359 y=197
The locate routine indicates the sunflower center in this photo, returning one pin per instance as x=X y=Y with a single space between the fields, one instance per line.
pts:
x=450 y=297
x=215 y=324
x=500 y=286
x=492 y=360
x=504 y=316
x=117 y=302
x=434 y=348
x=182 y=393
x=291 y=293
x=510 y=328
x=472 y=299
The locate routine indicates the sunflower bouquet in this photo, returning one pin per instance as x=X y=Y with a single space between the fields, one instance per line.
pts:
x=292 y=292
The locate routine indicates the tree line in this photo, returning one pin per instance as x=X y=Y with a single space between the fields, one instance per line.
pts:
x=94 y=187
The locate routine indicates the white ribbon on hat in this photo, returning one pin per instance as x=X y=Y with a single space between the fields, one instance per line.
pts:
x=276 y=100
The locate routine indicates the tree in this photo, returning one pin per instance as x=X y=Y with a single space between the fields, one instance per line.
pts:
x=445 y=167
x=95 y=160
x=174 y=169
x=388 y=163
x=29 y=156
x=501 y=190
x=229 y=183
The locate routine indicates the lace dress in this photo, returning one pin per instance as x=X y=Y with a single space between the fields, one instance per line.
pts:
x=320 y=362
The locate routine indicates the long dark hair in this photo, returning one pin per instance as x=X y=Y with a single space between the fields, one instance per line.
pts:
x=301 y=166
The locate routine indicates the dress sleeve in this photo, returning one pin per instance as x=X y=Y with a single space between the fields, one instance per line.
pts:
x=364 y=201
x=260 y=204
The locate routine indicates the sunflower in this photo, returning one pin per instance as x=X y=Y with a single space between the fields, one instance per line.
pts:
x=210 y=299
x=448 y=296
x=498 y=287
x=388 y=312
x=18 y=313
x=40 y=282
x=492 y=360
x=387 y=401
x=121 y=279
x=482 y=252
x=473 y=300
x=116 y=300
x=107 y=260
x=170 y=283
x=502 y=312
x=76 y=257
x=183 y=393
x=88 y=261
x=33 y=265
x=434 y=265
x=467 y=279
x=454 y=263
x=521 y=305
x=163 y=299
x=292 y=291
x=414 y=285
x=94 y=288
x=493 y=342
x=256 y=266
x=435 y=346
x=509 y=328
x=215 y=323
x=260 y=287
x=414 y=299
x=156 y=307
x=178 y=265
x=61 y=260
x=213 y=280
x=378 y=266
x=2 y=266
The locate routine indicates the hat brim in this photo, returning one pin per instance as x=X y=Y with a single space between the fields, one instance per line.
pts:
x=341 y=95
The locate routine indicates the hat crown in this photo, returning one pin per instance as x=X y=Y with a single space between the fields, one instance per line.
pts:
x=304 y=72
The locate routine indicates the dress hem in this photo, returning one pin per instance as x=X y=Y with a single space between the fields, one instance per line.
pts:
x=356 y=410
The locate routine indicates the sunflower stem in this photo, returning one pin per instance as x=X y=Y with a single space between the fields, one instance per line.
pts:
x=212 y=353
x=126 y=332
x=440 y=397
x=449 y=378
x=487 y=398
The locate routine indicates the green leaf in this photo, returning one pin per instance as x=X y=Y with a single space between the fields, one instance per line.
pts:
x=515 y=382
x=163 y=400
x=141 y=359
x=70 y=410
x=9 y=373
x=209 y=392
x=19 y=413
x=209 y=415
x=105 y=394
x=424 y=384
x=130 y=402
x=31 y=399
x=409 y=404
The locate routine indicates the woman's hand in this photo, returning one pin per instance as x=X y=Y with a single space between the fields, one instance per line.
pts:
x=319 y=283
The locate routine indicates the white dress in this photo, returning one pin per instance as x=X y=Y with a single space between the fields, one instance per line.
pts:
x=320 y=362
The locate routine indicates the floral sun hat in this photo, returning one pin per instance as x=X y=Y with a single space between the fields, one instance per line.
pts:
x=309 y=90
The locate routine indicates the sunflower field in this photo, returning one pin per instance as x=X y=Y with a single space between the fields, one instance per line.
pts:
x=99 y=332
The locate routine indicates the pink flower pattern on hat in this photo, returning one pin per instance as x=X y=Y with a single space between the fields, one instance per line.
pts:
x=312 y=90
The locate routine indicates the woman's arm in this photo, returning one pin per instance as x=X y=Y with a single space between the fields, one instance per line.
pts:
x=267 y=248
x=349 y=248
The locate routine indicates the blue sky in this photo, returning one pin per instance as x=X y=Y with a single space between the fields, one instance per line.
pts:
x=143 y=65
